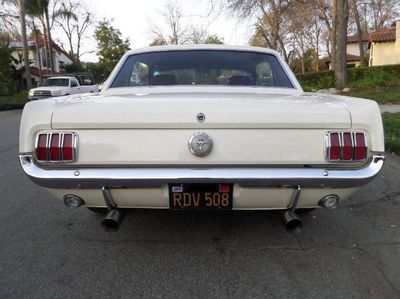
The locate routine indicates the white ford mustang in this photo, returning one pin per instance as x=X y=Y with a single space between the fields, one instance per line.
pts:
x=202 y=127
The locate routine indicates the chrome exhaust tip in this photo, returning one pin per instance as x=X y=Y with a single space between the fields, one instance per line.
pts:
x=112 y=221
x=291 y=221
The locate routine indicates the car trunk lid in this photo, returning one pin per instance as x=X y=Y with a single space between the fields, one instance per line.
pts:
x=241 y=108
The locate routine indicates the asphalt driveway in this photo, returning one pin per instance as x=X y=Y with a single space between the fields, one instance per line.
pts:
x=48 y=251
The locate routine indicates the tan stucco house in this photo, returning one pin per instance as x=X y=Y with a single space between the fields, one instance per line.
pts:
x=383 y=45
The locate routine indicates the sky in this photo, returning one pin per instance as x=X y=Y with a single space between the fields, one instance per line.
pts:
x=135 y=18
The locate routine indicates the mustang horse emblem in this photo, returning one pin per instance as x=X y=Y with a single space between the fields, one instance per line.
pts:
x=200 y=144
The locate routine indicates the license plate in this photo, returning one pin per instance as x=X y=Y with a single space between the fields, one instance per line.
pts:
x=200 y=196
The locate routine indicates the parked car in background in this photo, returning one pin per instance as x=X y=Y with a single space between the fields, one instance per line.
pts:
x=206 y=127
x=63 y=85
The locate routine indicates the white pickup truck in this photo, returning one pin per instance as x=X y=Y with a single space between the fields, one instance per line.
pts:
x=61 y=86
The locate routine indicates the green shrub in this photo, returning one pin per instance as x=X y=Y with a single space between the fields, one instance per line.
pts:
x=13 y=101
x=391 y=124
x=319 y=80
x=359 y=77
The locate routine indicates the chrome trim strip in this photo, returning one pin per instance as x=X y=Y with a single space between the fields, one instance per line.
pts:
x=353 y=147
x=48 y=142
x=155 y=177
x=327 y=146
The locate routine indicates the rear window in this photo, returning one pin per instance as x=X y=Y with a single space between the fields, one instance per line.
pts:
x=202 y=67
x=56 y=82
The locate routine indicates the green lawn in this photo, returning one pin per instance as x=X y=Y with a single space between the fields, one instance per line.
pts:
x=391 y=124
x=14 y=101
x=382 y=95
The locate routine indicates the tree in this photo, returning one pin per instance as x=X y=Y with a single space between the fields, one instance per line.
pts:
x=356 y=15
x=299 y=31
x=304 y=63
x=100 y=73
x=271 y=21
x=22 y=13
x=175 y=34
x=304 y=31
x=158 y=42
x=7 y=82
x=43 y=8
x=178 y=32
x=45 y=5
x=40 y=9
x=198 y=35
x=213 y=39
x=381 y=12
x=334 y=34
x=374 y=14
x=8 y=16
x=327 y=14
x=341 y=43
x=110 y=45
x=74 y=20
x=33 y=10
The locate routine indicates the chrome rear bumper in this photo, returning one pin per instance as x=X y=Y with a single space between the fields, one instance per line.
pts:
x=94 y=178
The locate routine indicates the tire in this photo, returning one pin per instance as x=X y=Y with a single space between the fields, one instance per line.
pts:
x=98 y=210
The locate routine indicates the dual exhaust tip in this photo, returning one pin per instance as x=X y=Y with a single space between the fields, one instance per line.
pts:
x=111 y=221
x=114 y=217
x=293 y=223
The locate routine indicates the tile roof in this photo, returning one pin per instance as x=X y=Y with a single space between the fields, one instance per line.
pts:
x=381 y=35
x=350 y=57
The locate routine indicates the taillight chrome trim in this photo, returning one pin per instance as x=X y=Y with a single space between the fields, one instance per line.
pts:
x=341 y=144
x=61 y=134
x=329 y=146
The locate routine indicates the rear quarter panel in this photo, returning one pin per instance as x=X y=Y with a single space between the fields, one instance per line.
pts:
x=36 y=117
x=366 y=115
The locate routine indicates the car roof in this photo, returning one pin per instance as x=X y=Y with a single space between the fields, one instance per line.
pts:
x=201 y=47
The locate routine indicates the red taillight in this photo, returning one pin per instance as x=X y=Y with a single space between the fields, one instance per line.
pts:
x=360 y=147
x=334 y=152
x=346 y=146
x=41 y=148
x=56 y=147
x=68 y=148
